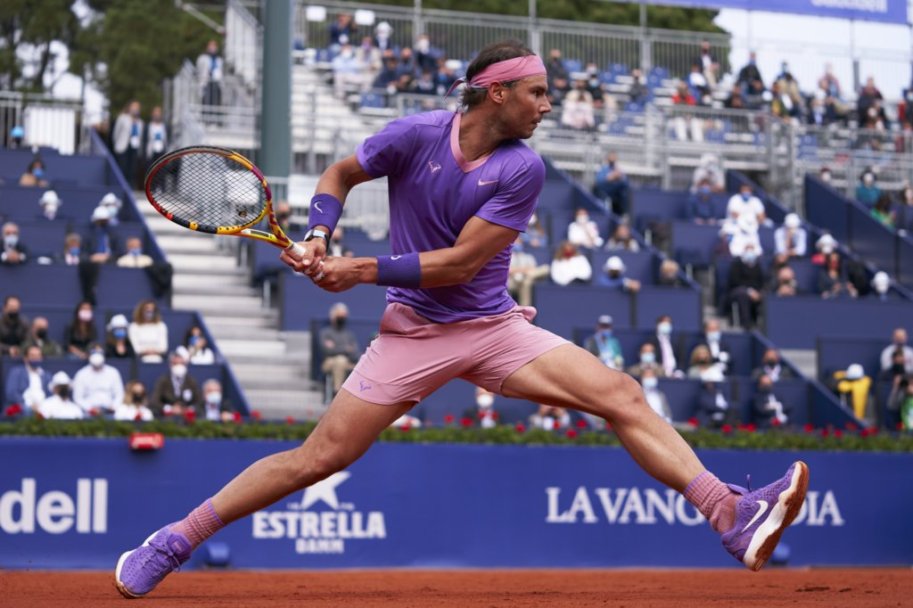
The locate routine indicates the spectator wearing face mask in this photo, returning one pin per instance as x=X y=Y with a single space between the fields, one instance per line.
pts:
x=134 y=405
x=719 y=350
x=113 y=204
x=38 y=337
x=13 y=252
x=745 y=287
x=881 y=286
x=613 y=276
x=612 y=185
x=790 y=239
x=155 y=136
x=483 y=414
x=101 y=243
x=772 y=367
x=569 y=265
x=669 y=274
x=59 y=405
x=35 y=175
x=50 y=206
x=741 y=234
x=348 y=72
x=701 y=362
x=535 y=235
x=701 y=209
x=524 y=272
x=215 y=406
x=117 y=341
x=667 y=348
x=746 y=203
x=550 y=418
x=709 y=172
x=784 y=284
x=126 y=140
x=176 y=392
x=769 y=410
x=622 y=240
x=134 y=258
x=883 y=210
x=98 y=387
x=832 y=280
x=646 y=359
x=339 y=346
x=148 y=333
x=72 y=250
x=198 y=347
x=583 y=232
x=868 y=192
x=25 y=384
x=655 y=398
x=713 y=407
x=898 y=341
x=823 y=247
x=14 y=327
x=81 y=332
x=604 y=345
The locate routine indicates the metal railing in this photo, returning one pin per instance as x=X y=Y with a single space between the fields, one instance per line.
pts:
x=46 y=121
x=244 y=44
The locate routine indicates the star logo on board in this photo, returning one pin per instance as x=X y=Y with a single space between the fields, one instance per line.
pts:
x=324 y=491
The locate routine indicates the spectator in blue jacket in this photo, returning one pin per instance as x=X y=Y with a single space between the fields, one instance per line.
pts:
x=867 y=192
x=604 y=345
x=700 y=205
x=612 y=184
x=27 y=384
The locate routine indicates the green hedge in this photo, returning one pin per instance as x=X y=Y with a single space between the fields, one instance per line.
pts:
x=730 y=438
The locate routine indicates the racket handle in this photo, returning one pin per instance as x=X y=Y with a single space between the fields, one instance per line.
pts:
x=295 y=248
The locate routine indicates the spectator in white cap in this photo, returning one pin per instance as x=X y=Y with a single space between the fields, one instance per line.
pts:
x=100 y=242
x=790 y=239
x=881 y=284
x=614 y=276
x=60 y=405
x=854 y=388
x=383 y=36
x=113 y=205
x=604 y=345
x=824 y=246
x=50 y=203
x=117 y=343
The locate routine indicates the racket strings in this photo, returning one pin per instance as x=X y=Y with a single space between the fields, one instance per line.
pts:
x=209 y=189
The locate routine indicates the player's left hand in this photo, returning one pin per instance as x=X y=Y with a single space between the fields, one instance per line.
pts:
x=337 y=274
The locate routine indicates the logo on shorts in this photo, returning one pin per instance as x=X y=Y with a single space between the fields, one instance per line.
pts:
x=325 y=530
x=363 y=386
x=434 y=167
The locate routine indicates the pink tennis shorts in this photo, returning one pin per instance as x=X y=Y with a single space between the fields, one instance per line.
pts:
x=412 y=357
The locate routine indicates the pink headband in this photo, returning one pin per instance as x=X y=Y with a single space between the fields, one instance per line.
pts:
x=505 y=71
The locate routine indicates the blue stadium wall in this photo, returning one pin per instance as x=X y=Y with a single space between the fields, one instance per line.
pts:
x=77 y=503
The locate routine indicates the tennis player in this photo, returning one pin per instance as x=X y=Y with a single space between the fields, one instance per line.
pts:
x=462 y=186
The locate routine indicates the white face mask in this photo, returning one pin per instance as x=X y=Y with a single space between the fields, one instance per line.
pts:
x=214 y=398
x=648 y=358
x=583 y=219
x=650 y=383
x=178 y=370
x=713 y=336
x=664 y=328
x=96 y=359
x=485 y=401
x=85 y=315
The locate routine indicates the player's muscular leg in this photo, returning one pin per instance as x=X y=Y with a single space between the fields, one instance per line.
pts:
x=345 y=432
x=569 y=376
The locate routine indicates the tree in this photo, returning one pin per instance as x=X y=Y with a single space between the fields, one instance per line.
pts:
x=27 y=28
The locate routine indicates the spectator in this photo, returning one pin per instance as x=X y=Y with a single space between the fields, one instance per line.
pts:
x=425 y=84
x=445 y=77
x=370 y=58
x=751 y=81
x=583 y=232
x=638 y=93
x=701 y=363
x=17 y=135
x=59 y=405
x=14 y=252
x=604 y=345
x=81 y=332
x=898 y=341
x=829 y=82
x=14 y=327
x=198 y=347
x=701 y=209
x=883 y=210
x=790 y=239
x=558 y=81
x=785 y=284
x=569 y=265
x=101 y=243
x=210 y=72
x=134 y=258
x=406 y=69
x=901 y=404
x=772 y=367
x=483 y=414
x=685 y=124
x=824 y=246
x=699 y=85
x=38 y=336
x=577 y=109
x=593 y=86
x=134 y=405
x=342 y=31
x=535 y=235
x=50 y=204
x=720 y=354
x=525 y=271
x=881 y=285
x=745 y=286
x=25 y=384
x=868 y=192
x=35 y=175
x=348 y=72
x=215 y=407
x=611 y=185
x=72 y=250
x=669 y=274
x=708 y=64
x=736 y=98
x=869 y=96
x=148 y=333
x=709 y=172
x=854 y=389
x=98 y=387
x=897 y=370
x=388 y=76
x=156 y=136
x=745 y=203
x=127 y=140
x=550 y=418
x=425 y=55
x=113 y=204
x=741 y=233
x=176 y=393
x=655 y=398
x=614 y=276
x=666 y=347
x=713 y=409
x=646 y=360
x=383 y=37
x=339 y=346
x=117 y=342
x=769 y=411
x=622 y=240
x=832 y=281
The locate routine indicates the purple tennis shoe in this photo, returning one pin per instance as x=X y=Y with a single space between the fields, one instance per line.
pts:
x=762 y=515
x=140 y=570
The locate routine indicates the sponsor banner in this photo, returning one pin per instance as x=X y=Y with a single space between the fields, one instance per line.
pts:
x=888 y=11
x=78 y=503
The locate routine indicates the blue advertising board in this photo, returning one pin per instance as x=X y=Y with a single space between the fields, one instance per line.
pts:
x=888 y=11
x=78 y=503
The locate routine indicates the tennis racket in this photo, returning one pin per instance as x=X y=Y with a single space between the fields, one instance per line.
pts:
x=217 y=191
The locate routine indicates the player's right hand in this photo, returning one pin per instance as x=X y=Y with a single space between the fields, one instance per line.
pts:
x=306 y=257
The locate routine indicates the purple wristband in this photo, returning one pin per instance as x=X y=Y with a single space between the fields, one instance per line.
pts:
x=399 y=270
x=325 y=211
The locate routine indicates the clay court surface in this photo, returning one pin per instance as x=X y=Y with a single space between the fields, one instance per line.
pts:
x=831 y=588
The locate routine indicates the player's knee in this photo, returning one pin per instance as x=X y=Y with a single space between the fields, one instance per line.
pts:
x=625 y=398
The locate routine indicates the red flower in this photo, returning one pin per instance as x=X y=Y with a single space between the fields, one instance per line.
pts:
x=404 y=427
x=94 y=412
x=236 y=417
x=138 y=417
x=825 y=432
x=448 y=419
x=809 y=427
x=520 y=427
x=751 y=427
x=13 y=410
x=726 y=428
x=581 y=423
x=693 y=421
x=466 y=422
x=775 y=422
x=608 y=426
x=571 y=433
x=190 y=415
x=256 y=415
x=838 y=433
x=900 y=426
x=742 y=426
x=289 y=420
x=851 y=426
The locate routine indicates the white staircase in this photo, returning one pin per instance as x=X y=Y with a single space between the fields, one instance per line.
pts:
x=273 y=372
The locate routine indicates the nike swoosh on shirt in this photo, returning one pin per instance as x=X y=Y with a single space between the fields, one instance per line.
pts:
x=758 y=515
x=395 y=257
x=317 y=207
x=487 y=182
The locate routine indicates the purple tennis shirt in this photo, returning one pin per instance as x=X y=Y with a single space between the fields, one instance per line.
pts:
x=434 y=191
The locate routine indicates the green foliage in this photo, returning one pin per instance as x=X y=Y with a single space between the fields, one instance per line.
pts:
x=744 y=439
x=32 y=23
